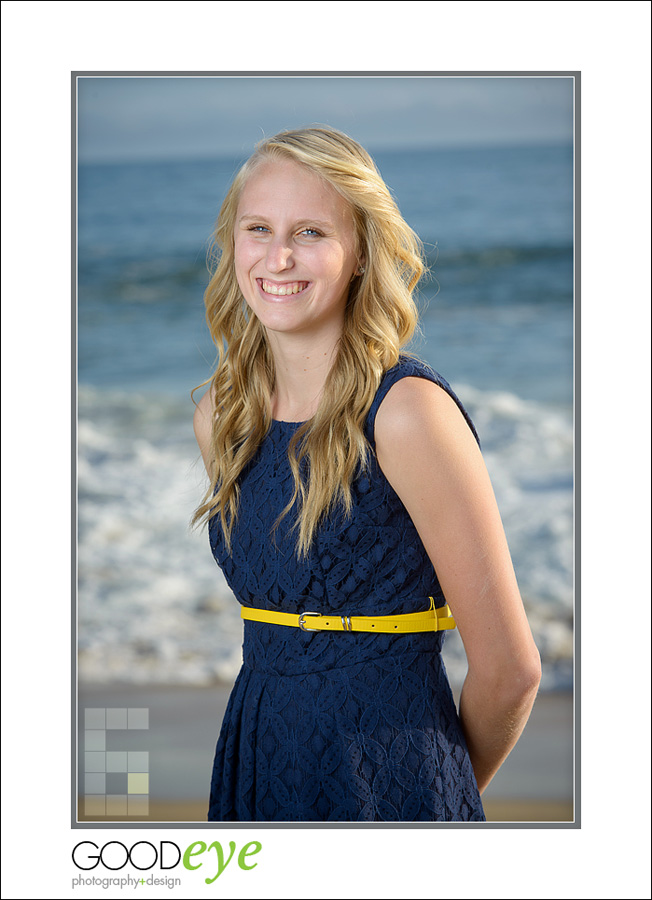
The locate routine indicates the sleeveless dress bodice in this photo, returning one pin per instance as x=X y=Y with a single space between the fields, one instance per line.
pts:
x=335 y=726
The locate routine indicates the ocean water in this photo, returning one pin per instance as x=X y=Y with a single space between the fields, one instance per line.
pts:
x=497 y=322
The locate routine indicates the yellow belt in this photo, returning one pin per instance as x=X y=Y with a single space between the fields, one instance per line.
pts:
x=431 y=620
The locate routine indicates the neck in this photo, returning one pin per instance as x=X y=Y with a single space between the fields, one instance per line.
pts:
x=302 y=367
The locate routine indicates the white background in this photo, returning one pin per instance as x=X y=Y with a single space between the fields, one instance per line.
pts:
x=609 y=44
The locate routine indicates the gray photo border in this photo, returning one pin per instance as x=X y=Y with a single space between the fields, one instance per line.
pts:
x=140 y=824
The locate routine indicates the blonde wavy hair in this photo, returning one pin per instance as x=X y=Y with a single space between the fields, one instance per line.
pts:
x=326 y=452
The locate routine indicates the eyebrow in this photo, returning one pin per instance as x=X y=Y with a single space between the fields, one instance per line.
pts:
x=319 y=222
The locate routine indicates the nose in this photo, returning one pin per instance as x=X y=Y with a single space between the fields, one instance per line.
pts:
x=279 y=255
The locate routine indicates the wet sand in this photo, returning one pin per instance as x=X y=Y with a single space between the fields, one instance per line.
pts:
x=534 y=785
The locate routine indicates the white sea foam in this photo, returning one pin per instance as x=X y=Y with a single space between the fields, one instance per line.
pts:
x=153 y=605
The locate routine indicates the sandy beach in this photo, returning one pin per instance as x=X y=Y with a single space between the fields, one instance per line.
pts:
x=534 y=785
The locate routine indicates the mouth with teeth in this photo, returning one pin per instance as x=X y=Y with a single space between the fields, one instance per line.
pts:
x=287 y=289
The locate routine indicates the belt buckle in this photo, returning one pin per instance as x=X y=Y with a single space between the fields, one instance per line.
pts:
x=301 y=622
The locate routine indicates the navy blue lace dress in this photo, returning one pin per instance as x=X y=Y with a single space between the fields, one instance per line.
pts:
x=330 y=726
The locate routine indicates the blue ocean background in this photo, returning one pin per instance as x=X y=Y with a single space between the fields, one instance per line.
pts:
x=497 y=322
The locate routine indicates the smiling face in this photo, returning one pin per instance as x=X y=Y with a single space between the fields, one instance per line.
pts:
x=295 y=250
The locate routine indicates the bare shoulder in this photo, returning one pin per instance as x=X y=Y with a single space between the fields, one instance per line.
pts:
x=417 y=413
x=428 y=453
x=203 y=425
x=205 y=404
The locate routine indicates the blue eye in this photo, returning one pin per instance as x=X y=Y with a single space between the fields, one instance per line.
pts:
x=311 y=232
x=258 y=228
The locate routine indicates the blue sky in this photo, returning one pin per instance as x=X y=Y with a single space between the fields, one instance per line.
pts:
x=173 y=117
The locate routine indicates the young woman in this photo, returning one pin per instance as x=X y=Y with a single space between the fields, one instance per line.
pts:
x=351 y=511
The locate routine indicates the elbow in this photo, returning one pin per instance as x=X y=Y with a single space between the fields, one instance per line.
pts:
x=529 y=676
x=513 y=681
x=525 y=677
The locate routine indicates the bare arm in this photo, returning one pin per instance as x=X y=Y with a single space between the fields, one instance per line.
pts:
x=431 y=459
x=203 y=425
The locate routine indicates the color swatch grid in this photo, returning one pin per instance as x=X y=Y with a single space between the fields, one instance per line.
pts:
x=116 y=782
